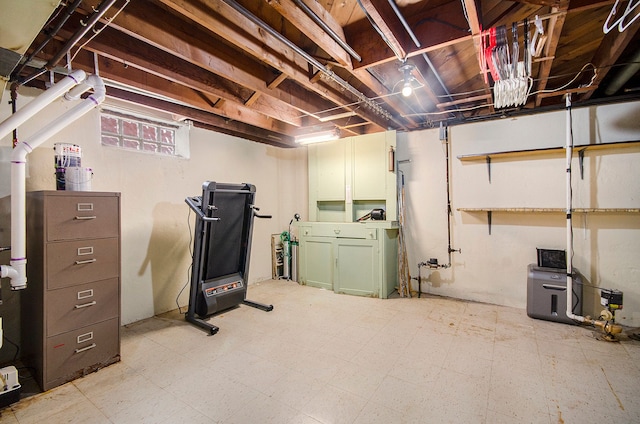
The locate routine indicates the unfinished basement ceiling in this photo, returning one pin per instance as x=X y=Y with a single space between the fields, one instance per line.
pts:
x=268 y=70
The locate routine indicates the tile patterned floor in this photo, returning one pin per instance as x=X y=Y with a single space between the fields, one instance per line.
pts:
x=321 y=358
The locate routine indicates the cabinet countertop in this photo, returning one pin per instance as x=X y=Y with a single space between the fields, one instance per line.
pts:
x=385 y=225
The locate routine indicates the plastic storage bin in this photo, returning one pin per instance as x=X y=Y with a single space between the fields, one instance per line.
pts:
x=547 y=294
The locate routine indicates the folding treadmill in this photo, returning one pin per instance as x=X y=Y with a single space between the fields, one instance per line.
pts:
x=221 y=250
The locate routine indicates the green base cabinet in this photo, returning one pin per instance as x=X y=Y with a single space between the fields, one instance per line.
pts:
x=357 y=258
x=316 y=262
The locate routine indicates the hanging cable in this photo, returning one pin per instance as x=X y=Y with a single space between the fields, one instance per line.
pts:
x=190 y=266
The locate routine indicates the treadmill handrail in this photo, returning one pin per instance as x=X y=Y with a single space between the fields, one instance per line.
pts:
x=257 y=215
x=198 y=211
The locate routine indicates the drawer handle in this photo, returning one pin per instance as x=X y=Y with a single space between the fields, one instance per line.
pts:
x=84 y=305
x=86 y=261
x=336 y=231
x=84 y=218
x=84 y=349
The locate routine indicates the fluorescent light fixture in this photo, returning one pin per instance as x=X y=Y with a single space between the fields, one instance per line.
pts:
x=318 y=137
x=337 y=116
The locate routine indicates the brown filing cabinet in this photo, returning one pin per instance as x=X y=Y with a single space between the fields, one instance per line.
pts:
x=70 y=310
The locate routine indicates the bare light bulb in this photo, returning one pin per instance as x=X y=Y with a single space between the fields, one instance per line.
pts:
x=406 y=89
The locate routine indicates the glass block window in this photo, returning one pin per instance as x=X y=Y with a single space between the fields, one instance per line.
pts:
x=144 y=135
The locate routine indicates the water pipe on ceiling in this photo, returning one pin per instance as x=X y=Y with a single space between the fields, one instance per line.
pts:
x=70 y=87
x=328 y=30
x=313 y=61
x=86 y=27
x=407 y=28
x=50 y=34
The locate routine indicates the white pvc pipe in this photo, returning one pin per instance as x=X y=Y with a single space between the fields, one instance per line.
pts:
x=606 y=326
x=42 y=101
x=17 y=270
x=569 y=154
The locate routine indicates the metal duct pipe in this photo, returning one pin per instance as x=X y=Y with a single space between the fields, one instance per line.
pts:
x=70 y=9
x=624 y=75
x=87 y=26
x=328 y=30
x=310 y=59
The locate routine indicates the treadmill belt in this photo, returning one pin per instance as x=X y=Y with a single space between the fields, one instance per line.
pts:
x=225 y=248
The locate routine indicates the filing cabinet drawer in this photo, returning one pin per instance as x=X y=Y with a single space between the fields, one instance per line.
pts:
x=75 y=262
x=71 y=218
x=75 y=353
x=87 y=304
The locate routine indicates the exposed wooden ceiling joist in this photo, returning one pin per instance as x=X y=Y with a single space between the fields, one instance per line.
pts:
x=270 y=69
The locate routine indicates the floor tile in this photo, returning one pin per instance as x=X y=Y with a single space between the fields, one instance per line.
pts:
x=321 y=358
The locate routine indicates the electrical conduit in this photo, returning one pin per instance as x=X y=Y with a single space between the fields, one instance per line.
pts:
x=16 y=271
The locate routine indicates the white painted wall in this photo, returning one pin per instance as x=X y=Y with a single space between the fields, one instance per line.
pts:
x=155 y=231
x=493 y=268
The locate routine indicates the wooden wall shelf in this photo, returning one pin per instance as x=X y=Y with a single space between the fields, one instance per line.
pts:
x=489 y=211
x=579 y=149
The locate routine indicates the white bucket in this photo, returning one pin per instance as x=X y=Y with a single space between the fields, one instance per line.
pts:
x=78 y=178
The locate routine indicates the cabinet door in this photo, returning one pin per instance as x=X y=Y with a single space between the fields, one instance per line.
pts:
x=357 y=270
x=330 y=160
x=370 y=168
x=316 y=262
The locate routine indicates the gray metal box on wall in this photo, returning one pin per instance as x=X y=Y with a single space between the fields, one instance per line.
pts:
x=547 y=294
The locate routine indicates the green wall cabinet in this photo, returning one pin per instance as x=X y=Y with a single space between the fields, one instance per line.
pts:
x=351 y=176
x=357 y=258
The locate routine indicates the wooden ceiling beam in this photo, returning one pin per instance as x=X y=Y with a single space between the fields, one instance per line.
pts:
x=164 y=32
x=434 y=27
x=153 y=61
x=133 y=77
x=240 y=31
x=556 y=23
x=475 y=25
x=209 y=121
x=273 y=84
x=294 y=14
x=381 y=13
